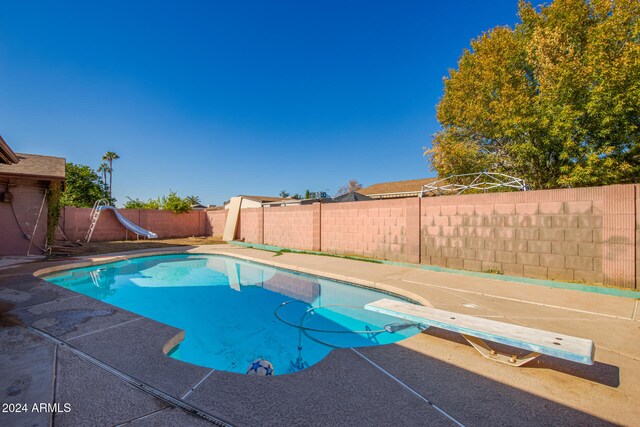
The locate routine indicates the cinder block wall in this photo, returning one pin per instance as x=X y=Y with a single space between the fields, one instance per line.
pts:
x=167 y=224
x=215 y=222
x=75 y=222
x=584 y=235
x=386 y=229
x=637 y=236
x=295 y=227
x=250 y=225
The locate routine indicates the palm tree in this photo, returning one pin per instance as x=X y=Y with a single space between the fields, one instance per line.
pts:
x=110 y=156
x=103 y=168
x=193 y=200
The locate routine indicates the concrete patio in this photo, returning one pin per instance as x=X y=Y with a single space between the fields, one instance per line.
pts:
x=57 y=346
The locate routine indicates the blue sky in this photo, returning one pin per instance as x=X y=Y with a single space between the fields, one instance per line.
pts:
x=224 y=98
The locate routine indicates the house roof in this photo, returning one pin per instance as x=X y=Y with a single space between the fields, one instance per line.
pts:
x=261 y=198
x=282 y=202
x=35 y=166
x=396 y=187
x=7 y=156
x=289 y=201
x=352 y=196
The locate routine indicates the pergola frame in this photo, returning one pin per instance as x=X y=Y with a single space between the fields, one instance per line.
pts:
x=483 y=181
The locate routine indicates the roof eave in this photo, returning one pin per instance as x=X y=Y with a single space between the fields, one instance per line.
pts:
x=6 y=153
x=34 y=177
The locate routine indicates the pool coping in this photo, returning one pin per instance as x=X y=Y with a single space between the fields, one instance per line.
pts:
x=96 y=261
x=596 y=289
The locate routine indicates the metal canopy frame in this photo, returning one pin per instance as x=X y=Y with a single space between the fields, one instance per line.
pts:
x=482 y=181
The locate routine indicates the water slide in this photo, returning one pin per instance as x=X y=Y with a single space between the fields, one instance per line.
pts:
x=128 y=224
x=103 y=204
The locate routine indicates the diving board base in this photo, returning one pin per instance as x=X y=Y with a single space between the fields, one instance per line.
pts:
x=509 y=359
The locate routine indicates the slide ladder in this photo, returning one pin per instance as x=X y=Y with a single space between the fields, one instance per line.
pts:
x=102 y=205
x=95 y=214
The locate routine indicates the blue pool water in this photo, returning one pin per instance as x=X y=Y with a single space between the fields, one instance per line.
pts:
x=234 y=311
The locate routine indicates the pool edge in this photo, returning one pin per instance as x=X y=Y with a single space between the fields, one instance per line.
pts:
x=377 y=286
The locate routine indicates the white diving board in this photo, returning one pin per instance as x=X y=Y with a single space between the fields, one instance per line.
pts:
x=233 y=214
x=476 y=329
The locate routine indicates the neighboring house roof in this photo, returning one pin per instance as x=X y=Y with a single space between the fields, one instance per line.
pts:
x=288 y=201
x=7 y=156
x=393 y=189
x=316 y=197
x=261 y=199
x=34 y=166
x=352 y=196
x=294 y=202
x=258 y=199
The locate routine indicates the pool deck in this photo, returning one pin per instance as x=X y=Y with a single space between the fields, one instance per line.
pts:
x=108 y=363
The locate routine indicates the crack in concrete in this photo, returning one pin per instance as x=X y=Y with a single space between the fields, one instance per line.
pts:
x=409 y=389
x=104 y=329
x=48 y=302
x=55 y=381
x=141 y=417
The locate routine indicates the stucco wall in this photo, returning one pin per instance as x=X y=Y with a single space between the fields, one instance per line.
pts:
x=18 y=219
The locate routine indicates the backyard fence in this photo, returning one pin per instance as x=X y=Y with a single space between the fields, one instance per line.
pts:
x=585 y=234
x=75 y=223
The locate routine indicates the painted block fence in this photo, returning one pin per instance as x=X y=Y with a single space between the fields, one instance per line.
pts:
x=587 y=235
x=75 y=223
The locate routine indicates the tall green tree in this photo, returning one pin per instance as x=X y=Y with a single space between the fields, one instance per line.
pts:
x=173 y=202
x=83 y=187
x=139 y=204
x=555 y=101
x=110 y=156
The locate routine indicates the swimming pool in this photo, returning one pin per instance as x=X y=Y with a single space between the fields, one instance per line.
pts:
x=234 y=312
